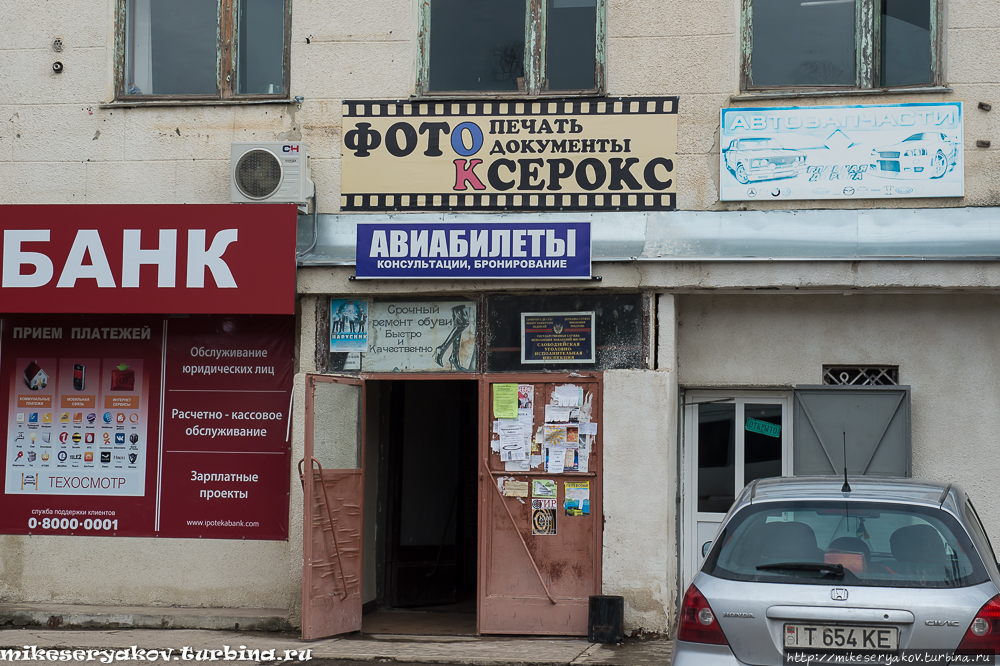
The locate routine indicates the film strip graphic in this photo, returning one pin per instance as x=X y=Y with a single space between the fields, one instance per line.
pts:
x=501 y=202
x=499 y=108
x=603 y=163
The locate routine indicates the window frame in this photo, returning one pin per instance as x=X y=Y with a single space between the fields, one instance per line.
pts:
x=867 y=51
x=227 y=53
x=535 y=43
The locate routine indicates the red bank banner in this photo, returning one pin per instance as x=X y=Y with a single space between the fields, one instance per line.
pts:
x=227 y=258
x=139 y=425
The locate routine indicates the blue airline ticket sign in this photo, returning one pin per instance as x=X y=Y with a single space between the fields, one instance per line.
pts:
x=473 y=250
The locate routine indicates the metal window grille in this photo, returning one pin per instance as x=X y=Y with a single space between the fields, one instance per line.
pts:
x=861 y=375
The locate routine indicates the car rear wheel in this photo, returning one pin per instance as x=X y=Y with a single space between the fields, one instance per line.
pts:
x=939 y=165
x=741 y=174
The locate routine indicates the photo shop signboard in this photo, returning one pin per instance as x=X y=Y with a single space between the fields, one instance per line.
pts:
x=887 y=151
x=126 y=422
x=616 y=153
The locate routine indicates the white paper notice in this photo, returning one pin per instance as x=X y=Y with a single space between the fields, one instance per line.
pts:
x=557 y=459
x=584 y=461
x=535 y=461
x=556 y=414
x=567 y=395
x=353 y=361
x=588 y=428
x=516 y=466
x=511 y=440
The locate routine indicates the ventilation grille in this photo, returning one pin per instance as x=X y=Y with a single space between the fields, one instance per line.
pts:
x=861 y=375
x=258 y=174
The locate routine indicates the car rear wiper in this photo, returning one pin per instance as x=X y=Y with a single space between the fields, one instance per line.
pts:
x=835 y=569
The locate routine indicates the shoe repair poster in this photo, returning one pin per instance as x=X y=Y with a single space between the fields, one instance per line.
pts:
x=120 y=425
x=420 y=336
x=886 y=151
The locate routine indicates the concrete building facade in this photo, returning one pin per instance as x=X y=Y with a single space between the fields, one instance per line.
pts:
x=742 y=298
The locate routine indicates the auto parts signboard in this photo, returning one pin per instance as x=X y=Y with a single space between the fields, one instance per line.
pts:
x=842 y=152
x=493 y=155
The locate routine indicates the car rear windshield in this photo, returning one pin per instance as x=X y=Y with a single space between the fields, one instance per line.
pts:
x=859 y=543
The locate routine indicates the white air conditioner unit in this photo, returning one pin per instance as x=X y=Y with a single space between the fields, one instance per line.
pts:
x=270 y=172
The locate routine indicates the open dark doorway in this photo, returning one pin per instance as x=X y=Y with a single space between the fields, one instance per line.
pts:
x=427 y=513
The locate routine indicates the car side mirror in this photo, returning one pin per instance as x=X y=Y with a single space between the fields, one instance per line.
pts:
x=705 y=547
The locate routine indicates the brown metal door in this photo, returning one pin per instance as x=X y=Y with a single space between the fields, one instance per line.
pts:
x=333 y=488
x=537 y=584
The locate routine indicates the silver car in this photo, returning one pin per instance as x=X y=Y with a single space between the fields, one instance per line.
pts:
x=800 y=567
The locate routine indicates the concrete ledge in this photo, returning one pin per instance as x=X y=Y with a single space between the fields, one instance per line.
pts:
x=71 y=616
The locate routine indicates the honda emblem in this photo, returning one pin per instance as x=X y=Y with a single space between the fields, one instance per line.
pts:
x=838 y=594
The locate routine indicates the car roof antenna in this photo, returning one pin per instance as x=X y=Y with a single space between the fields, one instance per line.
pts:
x=846 y=487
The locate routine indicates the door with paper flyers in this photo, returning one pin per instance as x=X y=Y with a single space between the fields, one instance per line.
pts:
x=541 y=518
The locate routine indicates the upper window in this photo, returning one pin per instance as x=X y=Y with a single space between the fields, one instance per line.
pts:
x=214 y=49
x=861 y=44
x=512 y=46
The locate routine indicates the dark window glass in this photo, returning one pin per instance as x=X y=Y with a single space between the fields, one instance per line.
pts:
x=879 y=545
x=761 y=453
x=618 y=330
x=172 y=47
x=261 y=39
x=906 y=42
x=571 y=50
x=803 y=42
x=476 y=44
x=716 y=457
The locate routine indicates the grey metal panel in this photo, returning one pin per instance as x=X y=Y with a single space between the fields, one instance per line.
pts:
x=614 y=236
x=876 y=420
x=850 y=234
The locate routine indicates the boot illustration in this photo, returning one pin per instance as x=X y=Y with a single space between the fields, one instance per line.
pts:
x=460 y=315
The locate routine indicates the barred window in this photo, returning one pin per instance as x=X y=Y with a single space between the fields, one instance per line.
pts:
x=861 y=375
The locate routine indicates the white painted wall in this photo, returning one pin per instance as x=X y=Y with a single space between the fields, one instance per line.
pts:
x=944 y=344
x=639 y=462
x=58 y=146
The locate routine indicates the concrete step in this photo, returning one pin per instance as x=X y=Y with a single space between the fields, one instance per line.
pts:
x=72 y=616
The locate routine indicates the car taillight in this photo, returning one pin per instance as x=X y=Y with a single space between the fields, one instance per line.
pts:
x=983 y=635
x=698 y=623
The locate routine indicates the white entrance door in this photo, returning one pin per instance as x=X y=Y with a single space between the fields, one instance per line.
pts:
x=730 y=439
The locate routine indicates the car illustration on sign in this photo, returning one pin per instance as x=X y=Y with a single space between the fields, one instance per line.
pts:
x=762 y=158
x=921 y=155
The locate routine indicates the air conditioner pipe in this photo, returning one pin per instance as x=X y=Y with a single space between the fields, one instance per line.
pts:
x=299 y=255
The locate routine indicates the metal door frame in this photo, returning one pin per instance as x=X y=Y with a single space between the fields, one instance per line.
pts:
x=308 y=476
x=483 y=383
x=488 y=486
x=688 y=463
